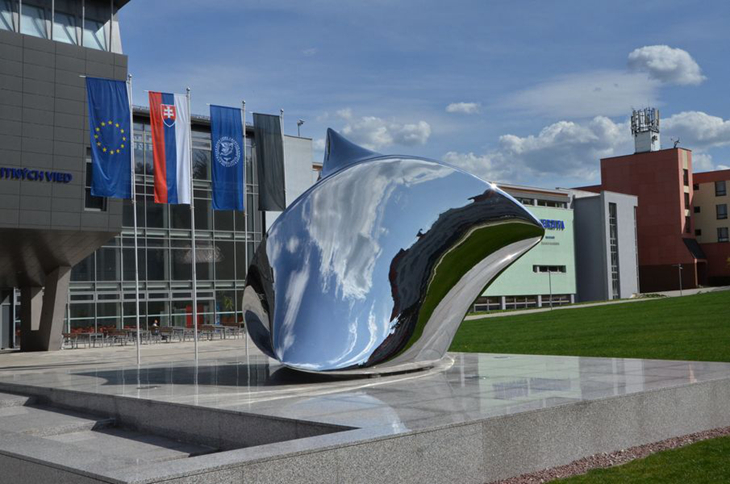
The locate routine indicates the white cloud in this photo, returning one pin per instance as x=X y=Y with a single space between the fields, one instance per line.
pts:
x=345 y=113
x=588 y=94
x=309 y=52
x=723 y=167
x=572 y=150
x=375 y=133
x=702 y=162
x=697 y=130
x=319 y=144
x=464 y=108
x=564 y=149
x=666 y=64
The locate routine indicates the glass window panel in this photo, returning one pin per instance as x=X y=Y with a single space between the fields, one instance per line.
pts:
x=180 y=216
x=182 y=267
x=205 y=256
x=251 y=250
x=33 y=21
x=156 y=242
x=160 y=311
x=7 y=7
x=203 y=217
x=201 y=164
x=156 y=214
x=128 y=269
x=157 y=268
x=139 y=152
x=240 y=220
x=107 y=316
x=241 y=261
x=127 y=214
x=225 y=267
x=130 y=312
x=64 y=28
x=94 y=34
x=107 y=264
x=81 y=310
x=84 y=270
x=182 y=313
x=223 y=220
x=225 y=307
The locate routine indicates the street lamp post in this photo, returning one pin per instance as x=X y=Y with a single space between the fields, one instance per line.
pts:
x=299 y=125
x=550 y=282
x=679 y=266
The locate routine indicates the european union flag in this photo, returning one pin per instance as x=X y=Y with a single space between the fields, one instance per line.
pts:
x=111 y=138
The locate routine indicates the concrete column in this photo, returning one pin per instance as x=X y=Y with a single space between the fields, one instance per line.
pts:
x=572 y=299
x=31 y=303
x=502 y=302
x=42 y=320
x=539 y=300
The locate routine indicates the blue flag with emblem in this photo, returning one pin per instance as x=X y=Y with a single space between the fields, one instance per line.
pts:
x=227 y=164
x=111 y=138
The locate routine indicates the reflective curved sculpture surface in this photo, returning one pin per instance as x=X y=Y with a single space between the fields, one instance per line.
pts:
x=373 y=268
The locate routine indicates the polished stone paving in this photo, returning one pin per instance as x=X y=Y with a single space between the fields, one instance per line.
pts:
x=466 y=388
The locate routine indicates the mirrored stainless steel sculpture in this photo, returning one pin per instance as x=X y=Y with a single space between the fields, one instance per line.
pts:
x=373 y=268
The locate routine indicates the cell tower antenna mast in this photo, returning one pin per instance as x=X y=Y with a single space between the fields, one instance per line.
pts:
x=645 y=129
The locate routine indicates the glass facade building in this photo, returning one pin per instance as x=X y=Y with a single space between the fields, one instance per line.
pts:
x=102 y=288
x=89 y=24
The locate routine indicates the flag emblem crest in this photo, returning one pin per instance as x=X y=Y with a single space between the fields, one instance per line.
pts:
x=169 y=114
x=110 y=137
x=227 y=151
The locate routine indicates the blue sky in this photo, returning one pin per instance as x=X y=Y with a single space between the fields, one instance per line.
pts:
x=530 y=92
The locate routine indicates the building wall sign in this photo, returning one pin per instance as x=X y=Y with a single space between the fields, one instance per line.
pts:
x=553 y=224
x=34 y=175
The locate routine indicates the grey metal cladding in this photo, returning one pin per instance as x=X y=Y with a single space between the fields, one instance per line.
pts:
x=29 y=202
x=37 y=145
x=68 y=50
x=9 y=157
x=10 y=142
x=10 y=98
x=11 y=82
x=37 y=131
x=39 y=73
x=35 y=43
x=38 y=116
x=71 y=64
x=98 y=69
x=11 y=53
x=12 y=67
x=10 y=127
x=74 y=93
x=34 y=86
x=36 y=58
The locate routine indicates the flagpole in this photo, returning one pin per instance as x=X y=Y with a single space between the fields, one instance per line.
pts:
x=281 y=120
x=245 y=212
x=192 y=231
x=134 y=212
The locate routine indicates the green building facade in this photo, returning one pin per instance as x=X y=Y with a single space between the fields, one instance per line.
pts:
x=548 y=270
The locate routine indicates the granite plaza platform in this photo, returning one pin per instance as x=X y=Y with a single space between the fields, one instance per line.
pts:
x=93 y=416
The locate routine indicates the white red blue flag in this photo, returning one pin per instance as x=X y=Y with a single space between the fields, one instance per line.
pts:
x=170 y=120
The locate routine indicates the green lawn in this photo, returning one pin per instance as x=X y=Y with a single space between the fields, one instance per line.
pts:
x=704 y=462
x=687 y=328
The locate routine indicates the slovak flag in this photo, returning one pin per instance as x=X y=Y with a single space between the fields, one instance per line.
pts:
x=170 y=120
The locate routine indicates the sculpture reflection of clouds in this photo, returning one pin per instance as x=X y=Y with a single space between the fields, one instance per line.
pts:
x=341 y=279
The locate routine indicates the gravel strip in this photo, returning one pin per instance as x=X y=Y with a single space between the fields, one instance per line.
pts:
x=611 y=459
